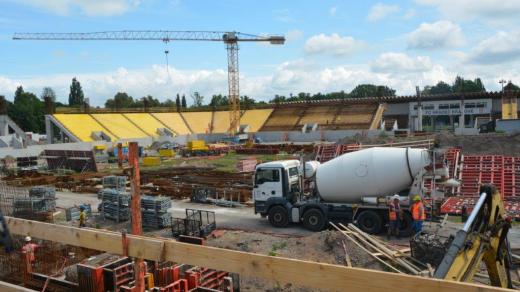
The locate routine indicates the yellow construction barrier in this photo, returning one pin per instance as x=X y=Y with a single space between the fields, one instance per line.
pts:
x=166 y=153
x=151 y=161
x=100 y=147
x=197 y=145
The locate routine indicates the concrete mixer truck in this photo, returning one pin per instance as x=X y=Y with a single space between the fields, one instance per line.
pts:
x=354 y=187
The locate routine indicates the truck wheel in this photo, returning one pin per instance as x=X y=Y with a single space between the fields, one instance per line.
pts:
x=370 y=222
x=405 y=225
x=278 y=216
x=314 y=220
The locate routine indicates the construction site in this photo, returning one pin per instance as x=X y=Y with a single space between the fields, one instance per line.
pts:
x=402 y=192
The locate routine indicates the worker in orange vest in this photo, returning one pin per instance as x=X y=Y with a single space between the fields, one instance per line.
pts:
x=418 y=214
x=28 y=250
x=394 y=216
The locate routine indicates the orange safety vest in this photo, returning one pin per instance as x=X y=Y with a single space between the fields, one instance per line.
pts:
x=418 y=212
x=29 y=249
x=392 y=211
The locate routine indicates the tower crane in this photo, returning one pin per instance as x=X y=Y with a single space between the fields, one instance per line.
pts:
x=230 y=39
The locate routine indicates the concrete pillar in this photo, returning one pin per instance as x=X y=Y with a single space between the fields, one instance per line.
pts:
x=49 y=132
x=4 y=127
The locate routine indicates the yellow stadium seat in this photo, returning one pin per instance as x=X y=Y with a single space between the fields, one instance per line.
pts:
x=221 y=122
x=199 y=122
x=174 y=121
x=255 y=118
x=82 y=126
x=120 y=126
x=146 y=122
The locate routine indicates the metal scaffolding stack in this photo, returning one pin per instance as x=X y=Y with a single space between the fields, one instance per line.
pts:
x=115 y=205
x=155 y=211
x=40 y=201
x=114 y=182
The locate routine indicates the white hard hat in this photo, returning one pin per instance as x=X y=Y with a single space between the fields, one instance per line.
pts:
x=27 y=238
x=396 y=196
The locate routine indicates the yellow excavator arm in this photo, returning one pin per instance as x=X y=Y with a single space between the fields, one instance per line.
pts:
x=483 y=239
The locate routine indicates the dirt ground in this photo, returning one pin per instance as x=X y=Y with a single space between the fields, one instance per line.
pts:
x=492 y=143
x=324 y=247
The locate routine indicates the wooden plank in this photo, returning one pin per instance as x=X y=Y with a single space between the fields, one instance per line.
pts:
x=148 y=248
x=276 y=269
x=8 y=287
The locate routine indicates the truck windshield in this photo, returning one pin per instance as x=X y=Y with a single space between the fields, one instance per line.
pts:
x=267 y=175
x=293 y=171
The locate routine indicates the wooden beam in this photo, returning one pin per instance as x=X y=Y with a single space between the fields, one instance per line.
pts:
x=8 y=287
x=276 y=269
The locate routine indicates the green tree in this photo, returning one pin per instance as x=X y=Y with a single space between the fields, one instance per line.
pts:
x=48 y=93
x=278 y=99
x=76 y=96
x=183 y=102
x=49 y=98
x=120 y=100
x=3 y=105
x=151 y=101
x=246 y=102
x=511 y=86
x=219 y=100
x=168 y=103
x=371 y=90
x=463 y=85
x=440 y=88
x=27 y=111
x=178 y=103
x=198 y=99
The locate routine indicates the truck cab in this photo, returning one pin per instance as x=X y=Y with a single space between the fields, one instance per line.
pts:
x=276 y=182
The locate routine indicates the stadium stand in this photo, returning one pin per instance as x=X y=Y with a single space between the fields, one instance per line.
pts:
x=330 y=115
x=82 y=126
x=146 y=122
x=198 y=122
x=353 y=116
x=220 y=123
x=174 y=122
x=284 y=118
x=120 y=126
x=322 y=115
x=255 y=118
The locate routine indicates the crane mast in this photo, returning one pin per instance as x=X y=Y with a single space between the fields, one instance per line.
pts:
x=231 y=39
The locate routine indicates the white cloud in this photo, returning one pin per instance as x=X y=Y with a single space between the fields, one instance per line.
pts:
x=333 y=10
x=488 y=10
x=437 y=35
x=380 y=11
x=86 y=7
x=333 y=44
x=500 y=48
x=399 y=62
x=293 y=35
x=288 y=77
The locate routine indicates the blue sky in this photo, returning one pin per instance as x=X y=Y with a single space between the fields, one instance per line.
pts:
x=331 y=45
